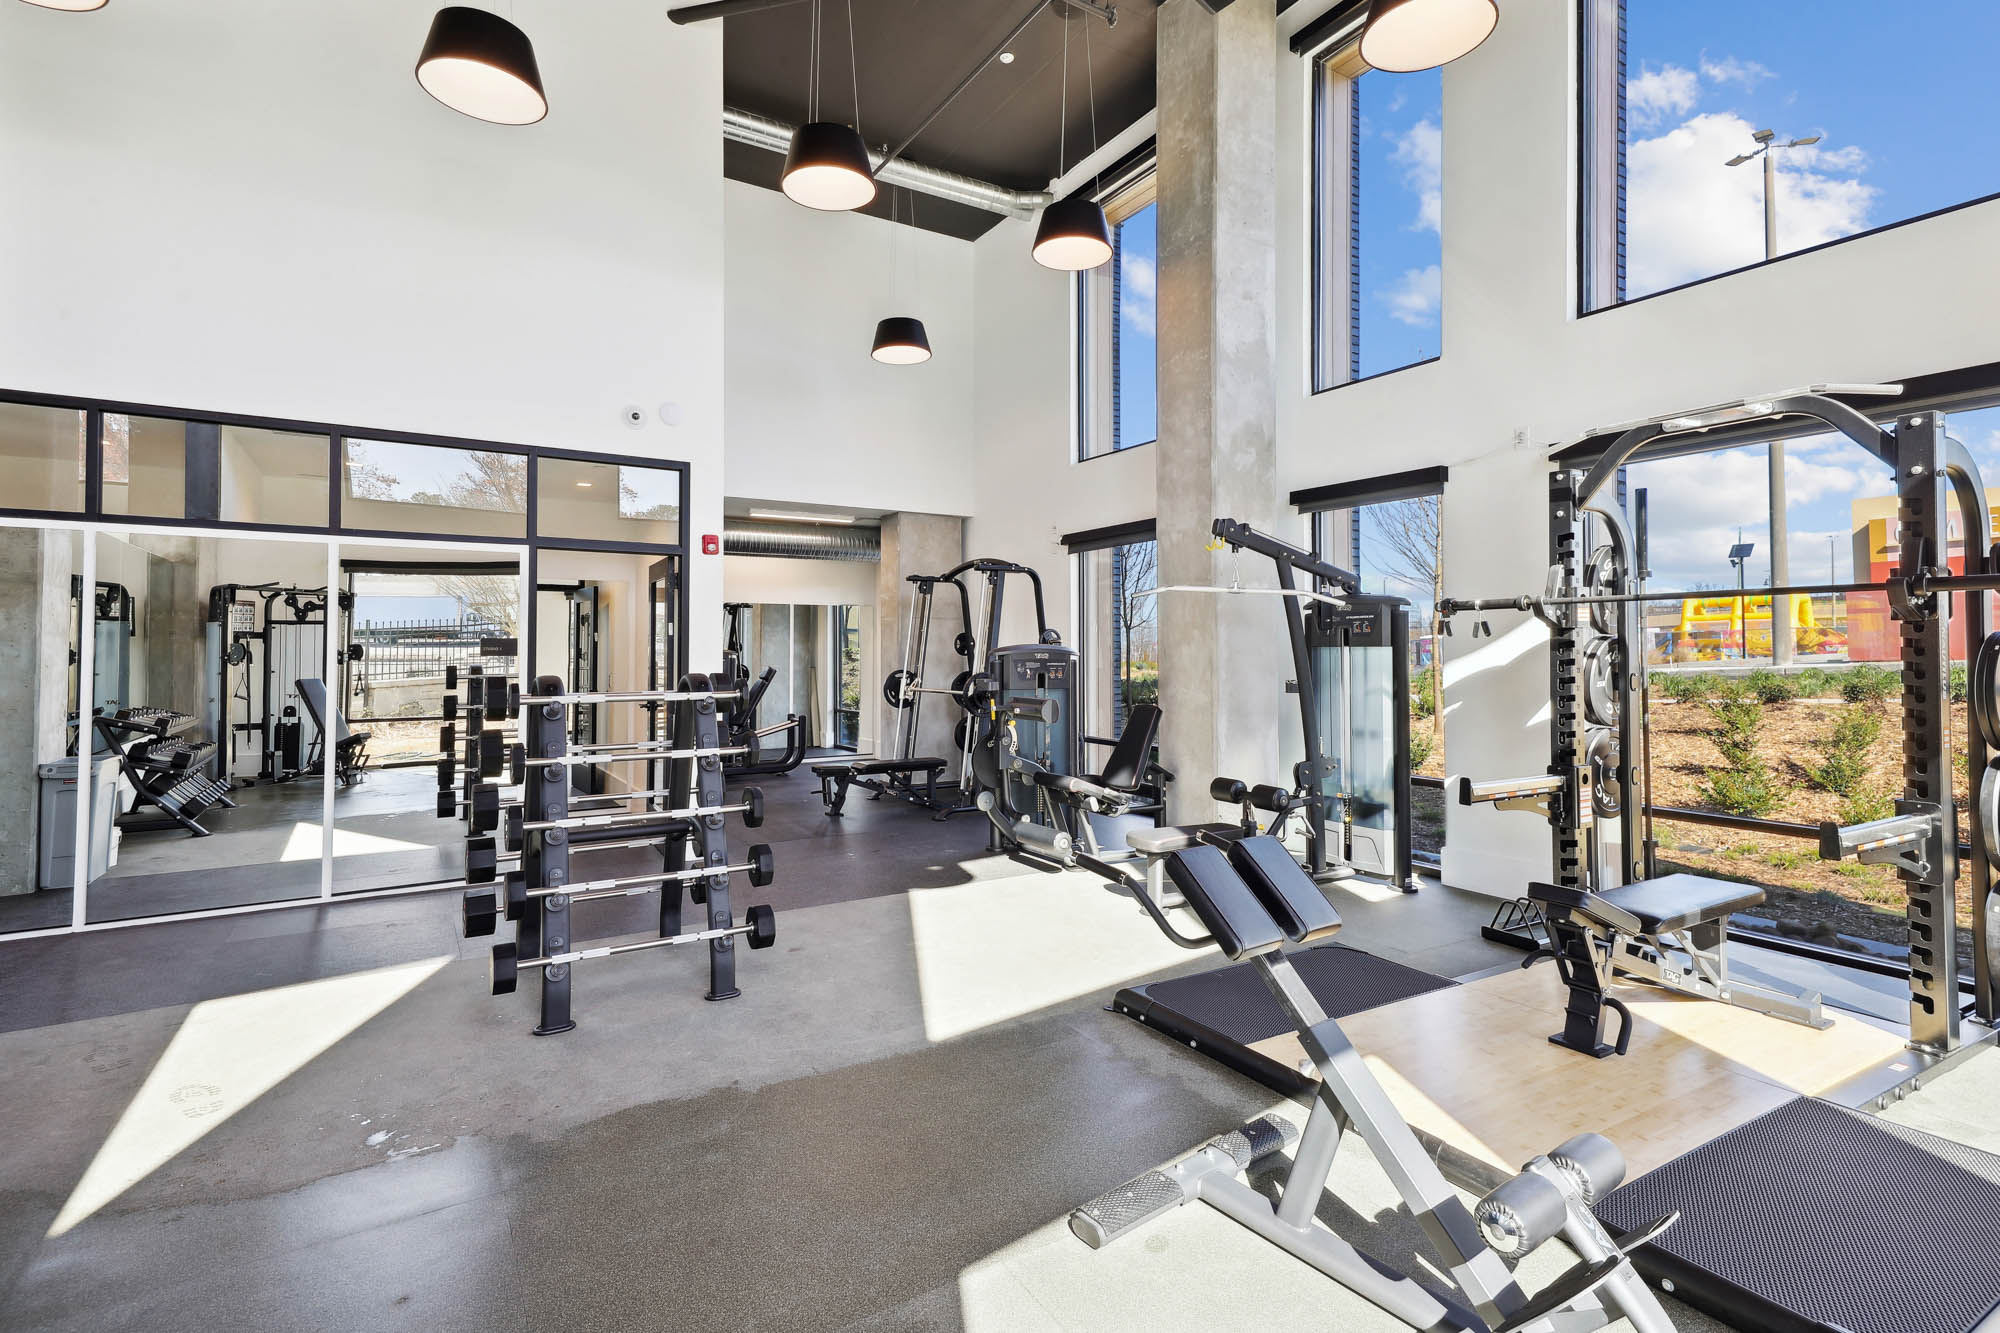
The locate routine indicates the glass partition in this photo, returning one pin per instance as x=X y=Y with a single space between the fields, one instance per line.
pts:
x=42 y=457
x=618 y=502
x=432 y=489
x=207 y=652
x=158 y=467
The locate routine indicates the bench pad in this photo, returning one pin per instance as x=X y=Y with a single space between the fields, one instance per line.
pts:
x=1676 y=902
x=1177 y=837
x=1285 y=889
x=868 y=767
x=1225 y=904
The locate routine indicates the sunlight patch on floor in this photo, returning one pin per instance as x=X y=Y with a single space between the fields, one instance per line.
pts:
x=226 y=1054
x=304 y=844
x=1000 y=948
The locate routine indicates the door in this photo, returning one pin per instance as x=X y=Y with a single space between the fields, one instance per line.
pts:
x=666 y=661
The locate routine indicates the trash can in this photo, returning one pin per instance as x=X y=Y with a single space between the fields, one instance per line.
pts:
x=57 y=849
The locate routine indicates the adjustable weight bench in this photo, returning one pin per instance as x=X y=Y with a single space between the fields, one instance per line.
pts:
x=897 y=780
x=1672 y=931
x=350 y=748
x=1252 y=900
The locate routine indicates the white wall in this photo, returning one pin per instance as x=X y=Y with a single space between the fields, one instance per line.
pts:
x=762 y=579
x=812 y=416
x=252 y=207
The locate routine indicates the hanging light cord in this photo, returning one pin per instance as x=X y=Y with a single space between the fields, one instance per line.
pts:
x=1062 y=123
x=812 y=65
x=853 y=77
x=1090 y=75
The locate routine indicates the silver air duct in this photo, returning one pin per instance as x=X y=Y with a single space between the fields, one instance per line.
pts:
x=775 y=136
x=801 y=541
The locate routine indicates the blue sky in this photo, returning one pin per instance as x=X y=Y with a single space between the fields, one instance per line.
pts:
x=1401 y=145
x=1138 y=363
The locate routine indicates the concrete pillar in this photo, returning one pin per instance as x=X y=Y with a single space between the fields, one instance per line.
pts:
x=35 y=570
x=917 y=544
x=1223 y=660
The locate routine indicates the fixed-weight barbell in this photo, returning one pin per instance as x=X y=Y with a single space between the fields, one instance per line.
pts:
x=482 y=909
x=760 y=925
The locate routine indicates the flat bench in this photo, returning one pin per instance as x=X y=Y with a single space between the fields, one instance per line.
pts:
x=896 y=774
x=1672 y=931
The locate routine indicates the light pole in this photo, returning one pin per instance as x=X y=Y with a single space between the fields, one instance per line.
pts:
x=1783 y=636
x=1739 y=556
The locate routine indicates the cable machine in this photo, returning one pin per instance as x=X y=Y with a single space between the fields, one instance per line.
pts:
x=263 y=638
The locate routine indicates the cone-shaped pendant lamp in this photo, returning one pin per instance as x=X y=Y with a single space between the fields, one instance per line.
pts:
x=482 y=65
x=900 y=340
x=827 y=168
x=1073 y=235
x=69 y=6
x=1404 y=36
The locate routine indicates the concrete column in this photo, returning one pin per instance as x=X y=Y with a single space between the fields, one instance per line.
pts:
x=1223 y=660
x=917 y=544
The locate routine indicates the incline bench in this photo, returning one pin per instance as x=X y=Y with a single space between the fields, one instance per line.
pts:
x=897 y=777
x=350 y=748
x=1646 y=929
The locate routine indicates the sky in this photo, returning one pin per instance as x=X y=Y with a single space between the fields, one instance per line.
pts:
x=1138 y=366
x=1401 y=131
x=1904 y=108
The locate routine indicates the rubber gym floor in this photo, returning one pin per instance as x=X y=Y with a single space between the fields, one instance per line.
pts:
x=317 y=1118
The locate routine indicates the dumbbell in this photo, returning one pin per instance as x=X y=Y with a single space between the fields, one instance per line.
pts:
x=761 y=867
x=480 y=908
x=484 y=806
x=760 y=925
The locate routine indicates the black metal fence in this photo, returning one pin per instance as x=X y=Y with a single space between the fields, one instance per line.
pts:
x=416 y=650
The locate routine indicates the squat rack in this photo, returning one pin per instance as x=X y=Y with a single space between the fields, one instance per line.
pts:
x=1590 y=592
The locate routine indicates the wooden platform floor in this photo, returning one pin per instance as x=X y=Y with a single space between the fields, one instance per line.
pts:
x=1472 y=1069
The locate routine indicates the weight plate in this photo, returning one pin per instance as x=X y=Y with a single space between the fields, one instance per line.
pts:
x=1984 y=693
x=1988 y=802
x=1606 y=795
x=1600 y=683
x=961 y=690
x=1604 y=576
x=963 y=731
x=895 y=690
x=964 y=645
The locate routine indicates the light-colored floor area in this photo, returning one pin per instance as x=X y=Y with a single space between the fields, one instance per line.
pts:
x=319 y=1118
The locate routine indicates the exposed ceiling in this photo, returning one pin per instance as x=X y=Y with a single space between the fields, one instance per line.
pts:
x=908 y=54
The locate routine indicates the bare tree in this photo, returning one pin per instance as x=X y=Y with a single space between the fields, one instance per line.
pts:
x=1136 y=571
x=491 y=598
x=1412 y=549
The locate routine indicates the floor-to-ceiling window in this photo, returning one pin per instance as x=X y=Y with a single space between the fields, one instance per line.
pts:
x=1118 y=621
x=1118 y=361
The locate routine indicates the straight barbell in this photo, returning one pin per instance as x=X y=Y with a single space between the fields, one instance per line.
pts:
x=760 y=925
x=482 y=909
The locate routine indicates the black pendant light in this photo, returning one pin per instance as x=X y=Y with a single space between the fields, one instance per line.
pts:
x=827 y=165
x=69 y=6
x=1404 y=36
x=900 y=340
x=1073 y=234
x=482 y=65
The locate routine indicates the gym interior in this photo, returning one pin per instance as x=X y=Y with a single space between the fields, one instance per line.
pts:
x=1059 y=665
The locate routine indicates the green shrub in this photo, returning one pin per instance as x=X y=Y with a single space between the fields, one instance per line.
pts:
x=1742 y=789
x=1737 y=722
x=1865 y=805
x=1768 y=686
x=1959 y=689
x=1423 y=692
x=1791 y=860
x=1812 y=683
x=1727 y=689
x=1422 y=745
x=1843 y=761
x=1868 y=684
x=1679 y=686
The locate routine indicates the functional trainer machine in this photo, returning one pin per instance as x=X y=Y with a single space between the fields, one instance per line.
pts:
x=1351 y=661
x=1252 y=900
x=262 y=640
x=905 y=774
x=741 y=717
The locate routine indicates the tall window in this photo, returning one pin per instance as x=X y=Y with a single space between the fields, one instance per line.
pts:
x=1876 y=115
x=1118 y=349
x=1377 y=215
x=1119 y=622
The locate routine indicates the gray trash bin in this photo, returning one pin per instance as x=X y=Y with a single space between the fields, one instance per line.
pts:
x=57 y=840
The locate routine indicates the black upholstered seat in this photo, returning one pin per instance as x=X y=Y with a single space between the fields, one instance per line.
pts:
x=1675 y=902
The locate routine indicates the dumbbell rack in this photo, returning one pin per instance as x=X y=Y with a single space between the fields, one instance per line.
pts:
x=691 y=834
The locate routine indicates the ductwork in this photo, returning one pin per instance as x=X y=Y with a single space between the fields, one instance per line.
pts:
x=801 y=541
x=775 y=136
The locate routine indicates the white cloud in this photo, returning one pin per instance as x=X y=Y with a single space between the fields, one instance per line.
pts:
x=1415 y=297
x=1420 y=152
x=1746 y=74
x=1689 y=216
x=1138 y=284
x=1658 y=93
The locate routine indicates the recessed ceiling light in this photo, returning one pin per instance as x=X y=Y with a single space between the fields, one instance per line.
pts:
x=1006 y=57
x=583 y=483
x=798 y=517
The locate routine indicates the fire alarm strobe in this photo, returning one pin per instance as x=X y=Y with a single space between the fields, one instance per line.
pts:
x=711 y=544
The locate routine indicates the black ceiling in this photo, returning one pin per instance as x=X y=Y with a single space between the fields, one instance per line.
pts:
x=910 y=53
